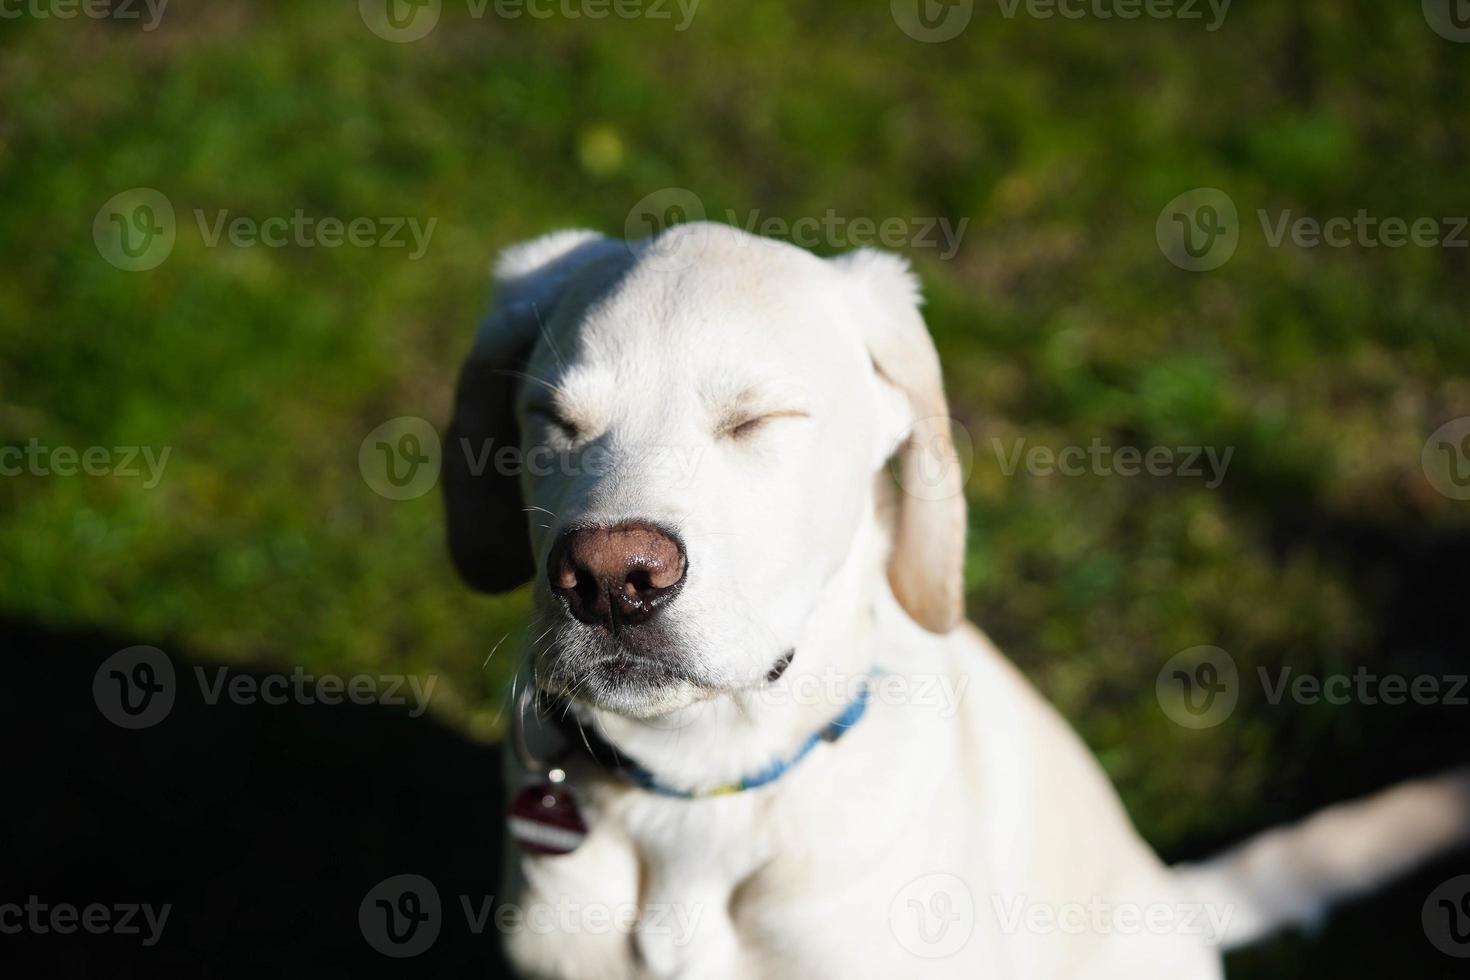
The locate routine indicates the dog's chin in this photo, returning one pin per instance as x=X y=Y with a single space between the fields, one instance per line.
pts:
x=645 y=697
x=630 y=676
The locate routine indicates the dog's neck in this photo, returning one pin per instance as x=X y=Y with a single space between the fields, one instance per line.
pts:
x=727 y=737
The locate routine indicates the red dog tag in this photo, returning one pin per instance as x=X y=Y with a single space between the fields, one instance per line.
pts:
x=544 y=819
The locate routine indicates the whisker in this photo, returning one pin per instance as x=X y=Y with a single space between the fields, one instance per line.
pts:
x=541 y=325
x=522 y=375
x=493 y=649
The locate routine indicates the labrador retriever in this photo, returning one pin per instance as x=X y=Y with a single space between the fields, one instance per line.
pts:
x=726 y=465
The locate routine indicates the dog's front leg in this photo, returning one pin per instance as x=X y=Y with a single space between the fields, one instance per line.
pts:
x=575 y=913
x=688 y=935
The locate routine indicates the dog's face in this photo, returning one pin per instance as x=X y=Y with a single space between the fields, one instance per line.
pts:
x=696 y=425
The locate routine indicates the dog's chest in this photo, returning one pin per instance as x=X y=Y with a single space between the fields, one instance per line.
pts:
x=693 y=858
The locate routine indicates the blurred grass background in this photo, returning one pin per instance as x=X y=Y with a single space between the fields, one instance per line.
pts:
x=1059 y=321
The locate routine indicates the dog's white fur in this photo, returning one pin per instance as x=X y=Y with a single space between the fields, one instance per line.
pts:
x=987 y=811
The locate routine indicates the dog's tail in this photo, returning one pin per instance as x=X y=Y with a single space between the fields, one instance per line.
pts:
x=1291 y=875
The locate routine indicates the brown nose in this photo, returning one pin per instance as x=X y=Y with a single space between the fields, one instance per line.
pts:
x=616 y=576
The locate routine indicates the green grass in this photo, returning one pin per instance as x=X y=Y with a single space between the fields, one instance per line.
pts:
x=1059 y=321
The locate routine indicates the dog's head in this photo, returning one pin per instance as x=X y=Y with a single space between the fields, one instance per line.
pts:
x=676 y=440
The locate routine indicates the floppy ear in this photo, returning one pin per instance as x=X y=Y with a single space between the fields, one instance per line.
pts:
x=926 y=565
x=483 y=507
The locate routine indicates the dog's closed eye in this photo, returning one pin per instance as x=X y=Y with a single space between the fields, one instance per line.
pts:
x=746 y=425
x=549 y=415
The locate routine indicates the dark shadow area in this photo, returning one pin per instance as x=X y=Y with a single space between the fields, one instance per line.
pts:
x=264 y=827
x=1410 y=582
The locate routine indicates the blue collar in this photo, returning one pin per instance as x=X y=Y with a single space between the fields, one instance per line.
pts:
x=610 y=758
x=830 y=732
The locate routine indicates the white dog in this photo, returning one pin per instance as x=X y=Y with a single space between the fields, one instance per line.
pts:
x=764 y=743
